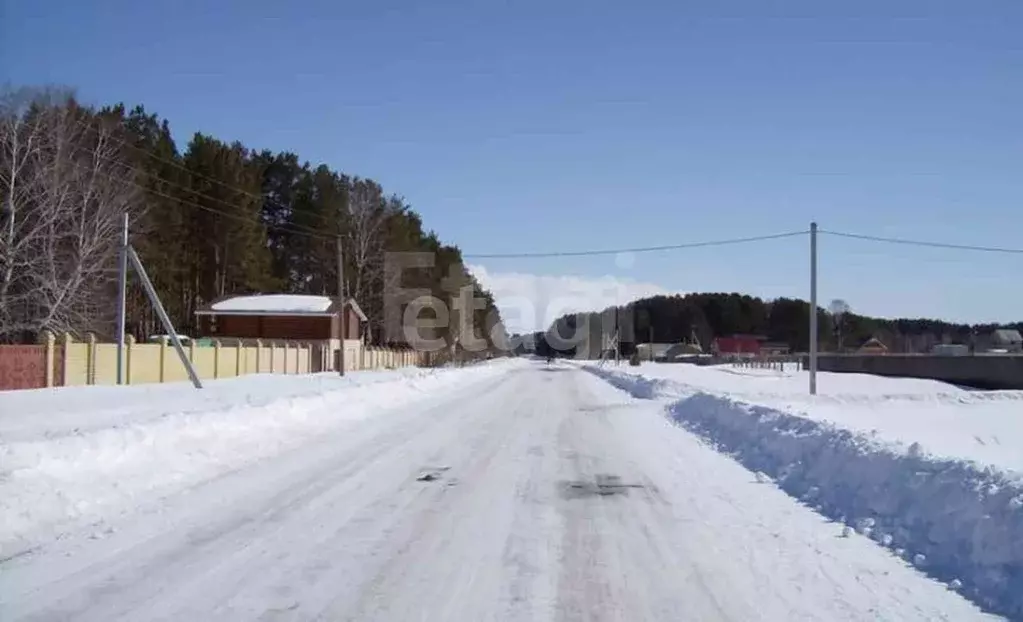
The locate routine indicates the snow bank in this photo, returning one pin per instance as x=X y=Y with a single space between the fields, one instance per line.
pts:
x=955 y=519
x=74 y=456
x=985 y=427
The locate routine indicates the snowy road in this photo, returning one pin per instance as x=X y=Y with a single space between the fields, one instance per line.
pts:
x=539 y=494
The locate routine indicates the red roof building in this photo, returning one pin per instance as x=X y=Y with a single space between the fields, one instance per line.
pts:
x=737 y=344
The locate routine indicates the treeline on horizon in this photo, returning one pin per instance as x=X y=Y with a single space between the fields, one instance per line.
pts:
x=209 y=218
x=704 y=316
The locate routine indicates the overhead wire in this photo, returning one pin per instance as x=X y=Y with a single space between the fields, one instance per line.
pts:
x=923 y=243
x=130 y=169
x=302 y=230
x=635 y=249
x=293 y=228
x=206 y=208
x=178 y=165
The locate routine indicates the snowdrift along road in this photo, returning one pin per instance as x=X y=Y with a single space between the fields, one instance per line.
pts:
x=74 y=457
x=957 y=520
x=532 y=494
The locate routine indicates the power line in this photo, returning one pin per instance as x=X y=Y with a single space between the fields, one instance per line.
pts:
x=178 y=165
x=638 y=249
x=285 y=228
x=129 y=169
x=907 y=242
x=301 y=230
x=292 y=228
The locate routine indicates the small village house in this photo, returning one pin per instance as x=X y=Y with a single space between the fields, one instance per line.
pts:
x=873 y=346
x=291 y=317
x=665 y=352
x=1005 y=340
x=738 y=345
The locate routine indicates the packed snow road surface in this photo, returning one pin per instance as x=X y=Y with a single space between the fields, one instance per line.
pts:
x=533 y=494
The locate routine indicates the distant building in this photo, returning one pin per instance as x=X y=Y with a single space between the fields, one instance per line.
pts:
x=951 y=349
x=667 y=351
x=292 y=317
x=1005 y=339
x=683 y=350
x=653 y=351
x=774 y=348
x=873 y=346
x=737 y=345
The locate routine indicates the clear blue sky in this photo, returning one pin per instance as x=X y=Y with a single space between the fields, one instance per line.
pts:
x=518 y=126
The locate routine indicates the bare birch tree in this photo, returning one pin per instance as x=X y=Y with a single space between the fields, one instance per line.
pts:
x=65 y=190
x=366 y=240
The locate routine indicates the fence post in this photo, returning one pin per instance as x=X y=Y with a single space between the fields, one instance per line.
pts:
x=48 y=341
x=273 y=351
x=66 y=342
x=90 y=359
x=238 y=351
x=259 y=354
x=163 y=359
x=216 y=359
x=129 y=342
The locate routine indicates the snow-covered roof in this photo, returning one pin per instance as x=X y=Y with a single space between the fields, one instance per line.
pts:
x=275 y=303
x=1007 y=335
x=659 y=349
x=278 y=304
x=358 y=310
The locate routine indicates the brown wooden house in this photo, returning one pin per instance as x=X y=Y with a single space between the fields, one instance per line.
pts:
x=280 y=316
x=873 y=346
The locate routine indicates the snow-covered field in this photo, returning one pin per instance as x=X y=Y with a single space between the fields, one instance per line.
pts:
x=513 y=491
x=946 y=421
x=931 y=471
x=75 y=457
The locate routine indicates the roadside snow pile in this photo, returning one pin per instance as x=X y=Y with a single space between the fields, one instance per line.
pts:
x=985 y=427
x=71 y=457
x=955 y=519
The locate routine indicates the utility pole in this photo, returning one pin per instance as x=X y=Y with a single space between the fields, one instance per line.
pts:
x=617 y=338
x=168 y=326
x=813 y=308
x=122 y=289
x=341 y=299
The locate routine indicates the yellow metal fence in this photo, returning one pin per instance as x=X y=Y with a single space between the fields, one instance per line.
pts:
x=90 y=362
